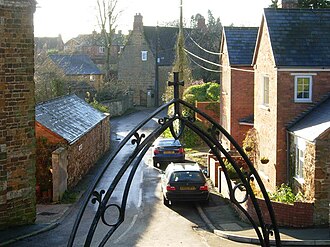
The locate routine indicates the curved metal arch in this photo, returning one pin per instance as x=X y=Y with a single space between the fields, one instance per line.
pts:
x=133 y=161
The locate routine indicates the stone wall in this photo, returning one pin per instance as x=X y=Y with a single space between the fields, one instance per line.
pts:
x=118 y=107
x=17 y=115
x=322 y=179
x=138 y=74
x=83 y=154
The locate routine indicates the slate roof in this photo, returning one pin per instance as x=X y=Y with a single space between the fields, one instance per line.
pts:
x=68 y=116
x=241 y=42
x=76 y=64
x=314 y=123
x=299 y=37
x=167 y=37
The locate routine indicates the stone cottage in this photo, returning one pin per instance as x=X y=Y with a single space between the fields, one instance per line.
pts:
x=147 y=59
x=17 y=139
x=309 y=145
x=78 y=72
x=82 y=131
x=236 y=106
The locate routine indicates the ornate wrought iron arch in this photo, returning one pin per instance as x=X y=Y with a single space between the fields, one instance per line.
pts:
x=142 y=144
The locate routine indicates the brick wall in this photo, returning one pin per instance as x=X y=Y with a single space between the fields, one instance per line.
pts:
x=299 y=214
x=265 y=118
x=271 y=122
x=83 y=154
x=17 y=141
x=138 y=74
x=242 y=102
x=210 y=108
x=236 y=99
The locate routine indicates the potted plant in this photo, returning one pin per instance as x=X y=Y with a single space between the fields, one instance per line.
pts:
x=264 y=160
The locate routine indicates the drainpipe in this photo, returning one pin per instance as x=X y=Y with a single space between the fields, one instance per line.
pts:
x=288 y=157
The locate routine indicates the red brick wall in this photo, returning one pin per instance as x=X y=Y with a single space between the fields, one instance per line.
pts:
x=288 y=110
x=242 y=100
x=51 y=137
x=17 y=115
x=299 y=214
x=237 y=99
x=210 y=108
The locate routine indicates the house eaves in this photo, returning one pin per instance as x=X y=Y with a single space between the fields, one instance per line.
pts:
x=314 y=122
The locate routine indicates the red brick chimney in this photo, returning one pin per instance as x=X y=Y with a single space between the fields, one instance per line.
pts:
x=288 y=4
x=138 y=24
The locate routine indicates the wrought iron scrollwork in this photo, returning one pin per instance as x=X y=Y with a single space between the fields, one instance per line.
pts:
x=143 y=142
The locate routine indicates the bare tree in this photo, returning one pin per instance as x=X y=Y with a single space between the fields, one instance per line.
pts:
x=107 y=18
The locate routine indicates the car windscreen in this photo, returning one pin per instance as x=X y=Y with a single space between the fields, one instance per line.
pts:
x=169 y=143
x=187 y=176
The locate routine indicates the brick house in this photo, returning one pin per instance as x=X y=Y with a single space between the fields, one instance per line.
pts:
x=137 y=61
x=17 y=139
x=78 y=72
x=73 y=124
x=237 y=80
x=291 y=61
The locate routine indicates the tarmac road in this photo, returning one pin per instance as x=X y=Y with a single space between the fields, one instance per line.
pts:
x=147 y=221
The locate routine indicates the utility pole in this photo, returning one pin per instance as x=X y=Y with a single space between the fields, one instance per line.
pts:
x=156 y=86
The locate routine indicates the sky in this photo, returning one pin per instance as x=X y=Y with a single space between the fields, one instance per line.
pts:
x=73 y=17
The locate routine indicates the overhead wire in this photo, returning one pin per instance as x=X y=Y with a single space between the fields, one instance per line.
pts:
x=201 y=66
x=219 y=65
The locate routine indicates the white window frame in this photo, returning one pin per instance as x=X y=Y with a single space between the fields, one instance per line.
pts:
x=265 y=99
x=101 y=49
x=144 y=55
x=300 y=147
x=296 y=78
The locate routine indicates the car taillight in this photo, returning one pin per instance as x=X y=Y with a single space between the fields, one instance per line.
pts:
x=204 y=187
x=181 y=150
x=170 y=188
x=156 y=151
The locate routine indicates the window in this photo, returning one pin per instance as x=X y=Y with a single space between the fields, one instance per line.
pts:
x=144 y=55
x=300 y=146
x=92 y=78
x=265 y=95
x=303 y=88
x=101 y=49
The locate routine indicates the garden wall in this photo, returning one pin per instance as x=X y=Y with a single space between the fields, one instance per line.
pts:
x=118 y=107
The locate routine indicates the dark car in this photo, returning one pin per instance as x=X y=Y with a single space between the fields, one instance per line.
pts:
x=184 y=182
x=167 y=150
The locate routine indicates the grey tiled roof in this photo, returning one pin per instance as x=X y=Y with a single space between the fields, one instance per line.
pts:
x=76 y=64
x=314 y=123
x=241 y=42
x=299 y=37
x=68 y=116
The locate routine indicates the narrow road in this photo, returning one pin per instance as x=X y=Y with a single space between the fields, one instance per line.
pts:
x=147 y=221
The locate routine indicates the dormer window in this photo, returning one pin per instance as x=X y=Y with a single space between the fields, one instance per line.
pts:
x=144 y=55
x=303 y=88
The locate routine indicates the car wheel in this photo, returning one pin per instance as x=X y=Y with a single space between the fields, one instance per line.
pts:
x=166 y=202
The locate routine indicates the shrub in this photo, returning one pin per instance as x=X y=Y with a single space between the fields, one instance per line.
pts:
x=285 y=194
